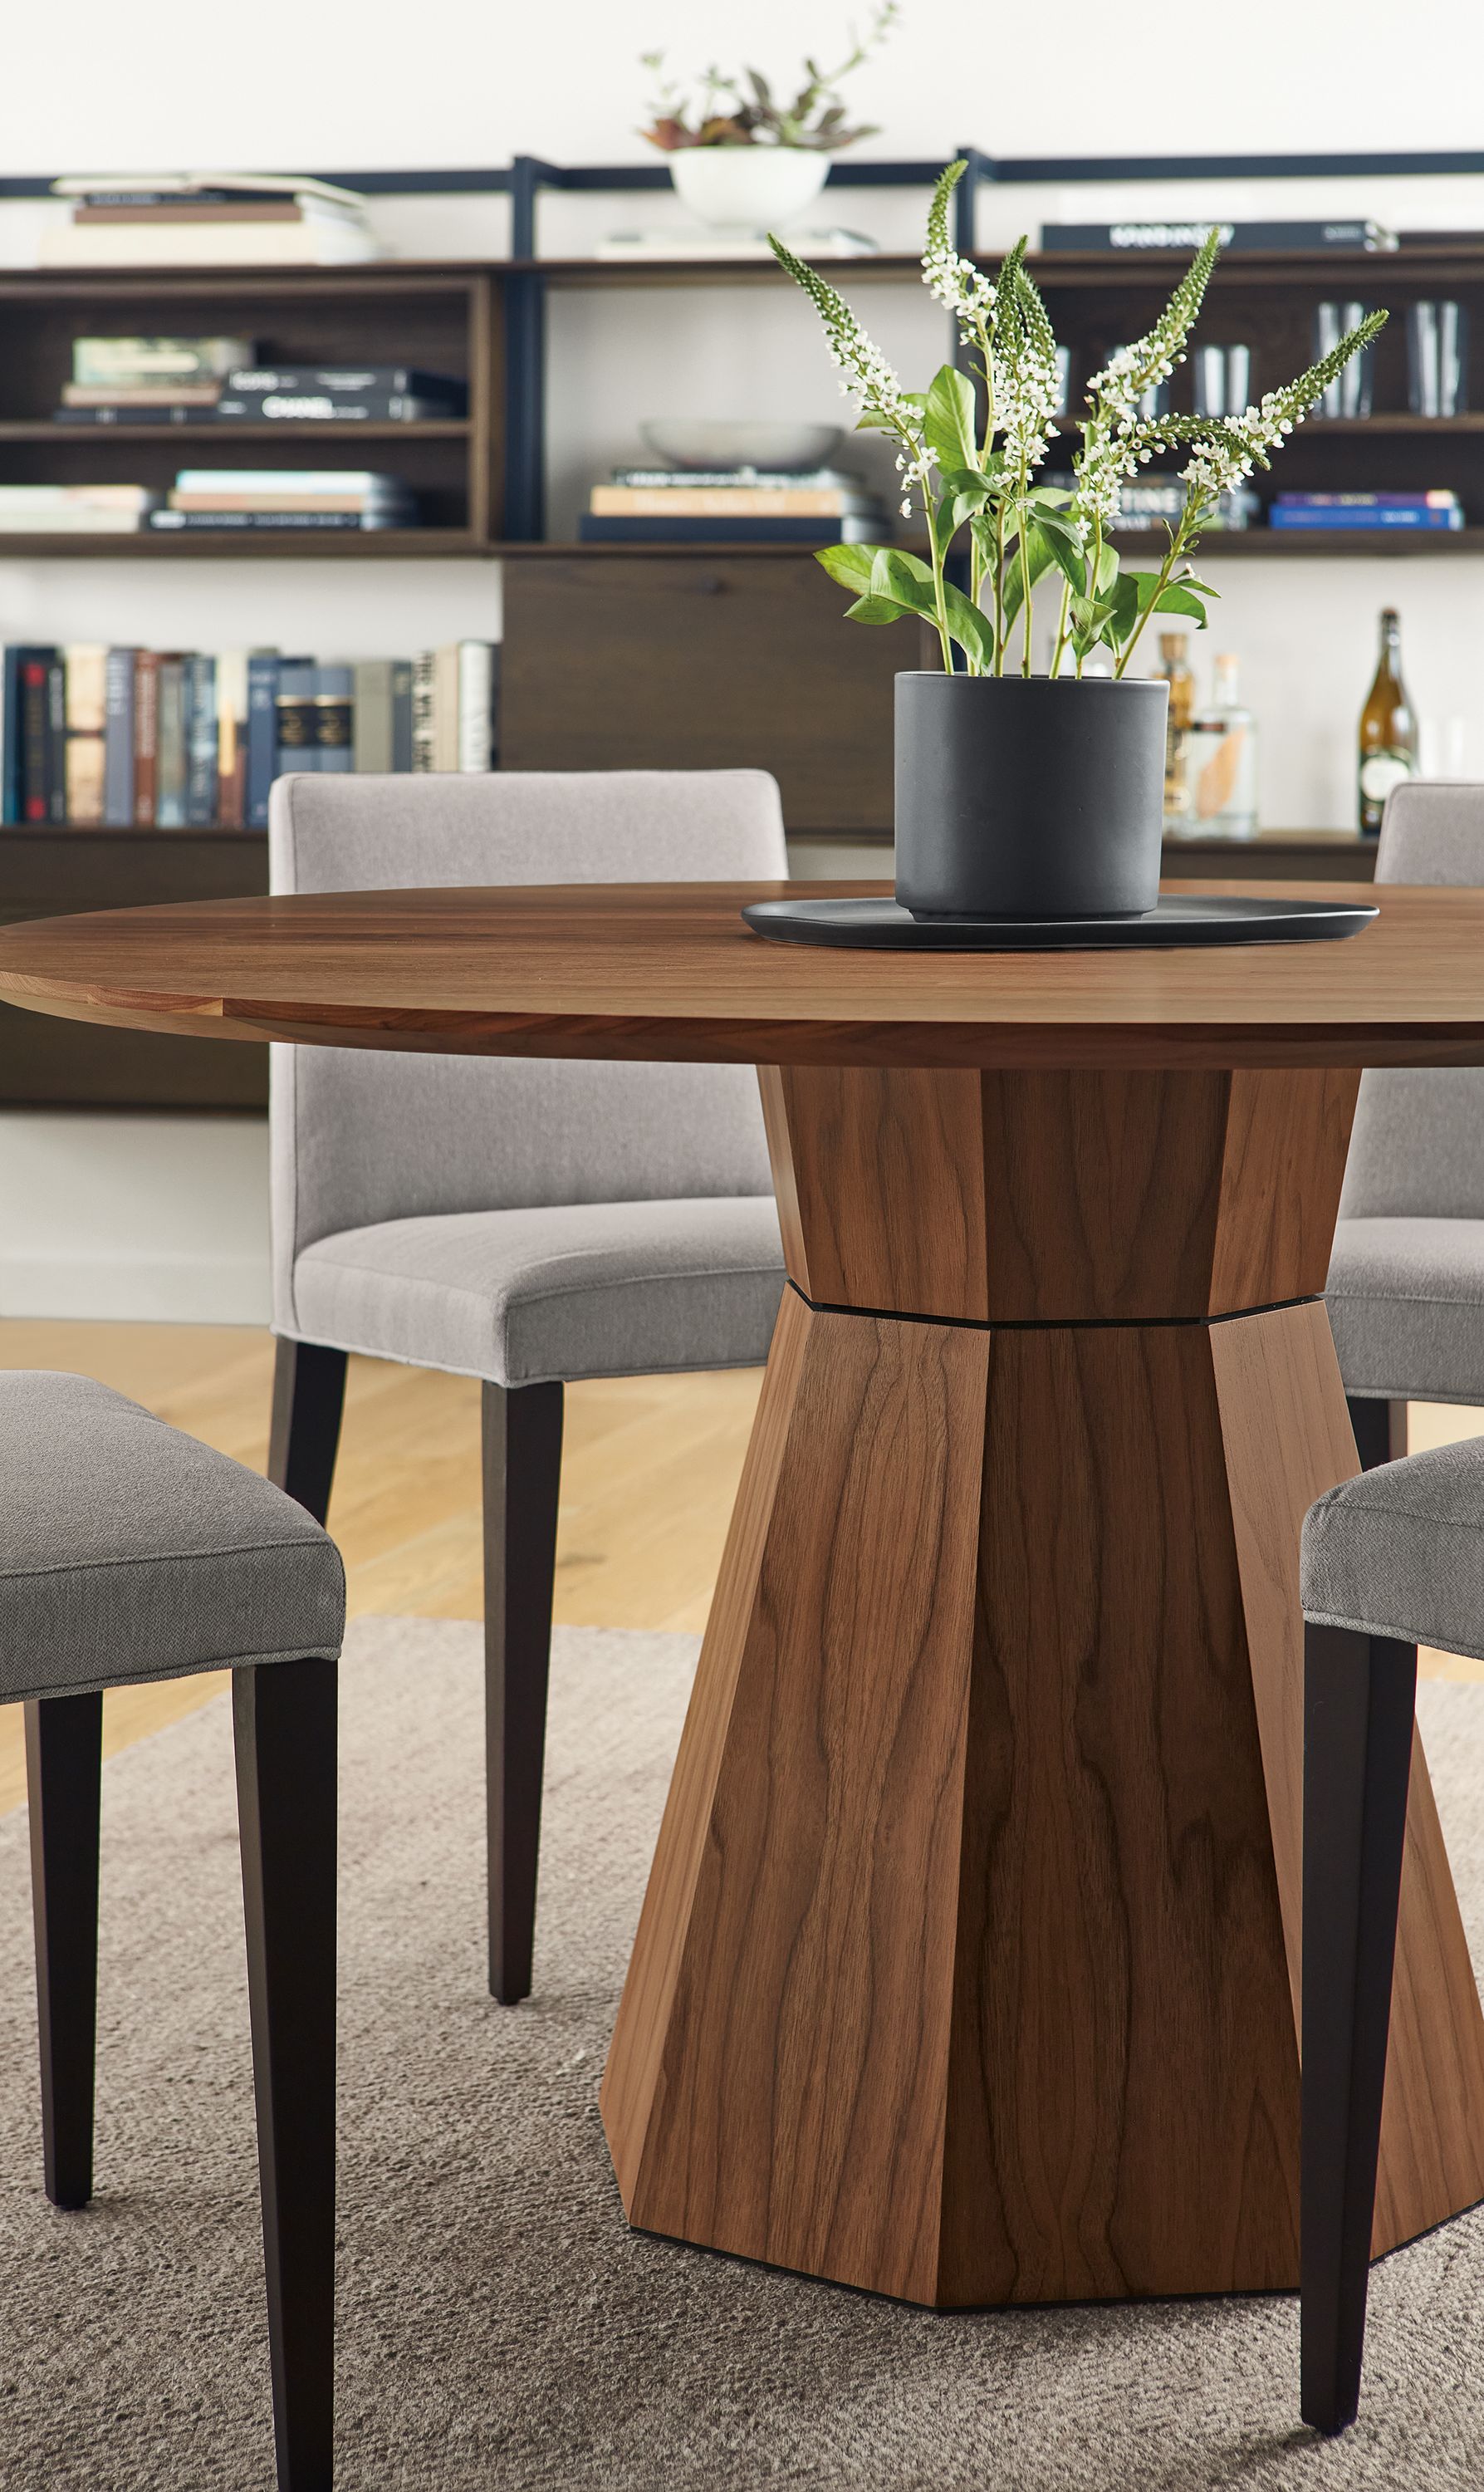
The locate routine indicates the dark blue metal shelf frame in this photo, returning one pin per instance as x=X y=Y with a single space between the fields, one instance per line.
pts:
x=526 y=283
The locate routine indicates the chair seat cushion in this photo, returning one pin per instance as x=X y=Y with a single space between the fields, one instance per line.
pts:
x=1400 y=1551
x=555 y=1293
x=1406 y=1300
x=130 y=1552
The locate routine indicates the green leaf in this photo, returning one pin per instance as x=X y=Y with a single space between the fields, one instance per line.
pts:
x=971 y=628
x=877 y=610
x=1107 y=571
x=1038 y=560
x=849 y=564
x=1177 y=599
x=948 y=425
x=894 y=573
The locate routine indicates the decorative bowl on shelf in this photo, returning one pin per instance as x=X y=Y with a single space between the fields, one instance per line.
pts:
x=727 y=441
x=747 y=190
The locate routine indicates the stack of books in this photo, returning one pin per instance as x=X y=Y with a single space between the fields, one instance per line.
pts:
x=206 y=219
x=75 y=510
x=186 y=739
x=1436 y=510
x=224 y=380
x=312 y=499
x=731 y=506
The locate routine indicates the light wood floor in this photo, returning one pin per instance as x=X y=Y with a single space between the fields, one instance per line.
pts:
x=650 y=1471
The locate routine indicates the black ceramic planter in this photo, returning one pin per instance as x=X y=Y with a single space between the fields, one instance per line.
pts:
x=1027 y=798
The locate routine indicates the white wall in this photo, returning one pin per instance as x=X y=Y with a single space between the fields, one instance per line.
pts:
x=92 y=1211
x=163 y=1219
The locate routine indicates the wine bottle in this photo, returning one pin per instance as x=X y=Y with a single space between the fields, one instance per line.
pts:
x=1222 y=770
x=1175 y=670
x=1388 y=731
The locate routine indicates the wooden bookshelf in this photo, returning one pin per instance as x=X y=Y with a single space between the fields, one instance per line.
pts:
x=705 y=655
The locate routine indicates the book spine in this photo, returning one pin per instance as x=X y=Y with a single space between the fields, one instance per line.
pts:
x=200 y=721
x=231 y=737
x=146 y=736
x=301 y=406
x=402 y=714
x=333 y=718
x=262 y=737
x=445 y=707
x=1378 y=522
x=118 y=739
x=56 y=738
x=595 y=529
x=11 y=807
x=371 y=728
x=33 y=735
x=86 y=707
x=296 y=717
x=476 y=703
x=424 y=677
x=729 y=501
x=170 y=747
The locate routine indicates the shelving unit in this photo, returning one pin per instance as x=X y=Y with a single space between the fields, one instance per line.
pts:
x=631 y=655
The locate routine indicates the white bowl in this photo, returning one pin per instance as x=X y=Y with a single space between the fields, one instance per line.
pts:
x=724 y=441
x=749 y=191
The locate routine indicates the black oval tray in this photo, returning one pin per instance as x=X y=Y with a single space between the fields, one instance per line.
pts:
x=1178 y=917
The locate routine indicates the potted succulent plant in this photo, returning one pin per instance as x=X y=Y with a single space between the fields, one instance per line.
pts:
x=1020 y=795
x=745 y=162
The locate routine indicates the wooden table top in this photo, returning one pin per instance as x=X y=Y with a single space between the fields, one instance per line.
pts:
x=668 y=972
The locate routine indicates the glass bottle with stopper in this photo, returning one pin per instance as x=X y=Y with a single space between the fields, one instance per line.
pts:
x=1388 y=730
x=1221 y=765
x=1175 y=670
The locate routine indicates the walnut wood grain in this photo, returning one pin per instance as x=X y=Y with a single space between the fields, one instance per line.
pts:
x=1056 y=1198
x=669 y=972
x=634 y=2064
x=966 y=1935
x=797 y=2116
x=1287 y=1437
x=1123 y=2106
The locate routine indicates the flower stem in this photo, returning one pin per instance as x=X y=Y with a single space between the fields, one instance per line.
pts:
x=937 y=551
x=1178 y=539
x=1059 y=650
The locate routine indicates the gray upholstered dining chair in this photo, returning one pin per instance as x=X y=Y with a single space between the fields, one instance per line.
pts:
x=526 y=1223
x=1389 y=1560
x=129 y=1552
x=1406 y=1289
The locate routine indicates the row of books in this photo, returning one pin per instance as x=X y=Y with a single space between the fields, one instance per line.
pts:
x=1156 y=502
x=232 y=381
x=731 y=506
x=230 y=499
x=183 y=739
x=206 y=219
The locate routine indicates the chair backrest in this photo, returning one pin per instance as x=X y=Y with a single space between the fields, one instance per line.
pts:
x=361 y=1136
x=1418 y=1143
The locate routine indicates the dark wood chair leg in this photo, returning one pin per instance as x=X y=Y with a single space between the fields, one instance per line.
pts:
x=1381 y=1429
x=522 y=1456
x=1360 y=1697
x=64 y=1763
x=284 y=1720
x=309 y=1398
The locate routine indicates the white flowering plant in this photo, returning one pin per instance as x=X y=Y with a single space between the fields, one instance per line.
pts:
x=969 y=445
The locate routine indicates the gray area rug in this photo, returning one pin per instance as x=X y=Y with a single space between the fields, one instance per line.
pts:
x=499 y=2326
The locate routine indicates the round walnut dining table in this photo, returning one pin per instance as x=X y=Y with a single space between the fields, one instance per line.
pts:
x=968 y=1963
